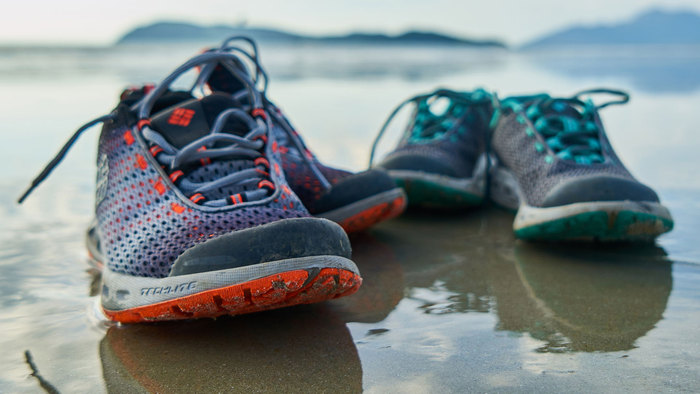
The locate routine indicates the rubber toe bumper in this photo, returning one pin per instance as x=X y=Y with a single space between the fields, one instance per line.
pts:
x=598 y=188
x=284 y=239
x=354 y=188
x=412 y=161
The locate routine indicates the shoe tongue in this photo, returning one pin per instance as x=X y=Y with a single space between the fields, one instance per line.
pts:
x=222 y=80
x=193 y=119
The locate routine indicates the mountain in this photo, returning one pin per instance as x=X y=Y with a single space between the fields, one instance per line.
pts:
x=651 y=27
x=173 y=31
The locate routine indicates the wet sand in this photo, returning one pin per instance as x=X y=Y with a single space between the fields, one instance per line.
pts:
x=450 y=303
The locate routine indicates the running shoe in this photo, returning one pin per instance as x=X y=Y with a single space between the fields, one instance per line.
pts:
x=193 y=216
x=441 y=159
x=356 y=201
x=555 y=165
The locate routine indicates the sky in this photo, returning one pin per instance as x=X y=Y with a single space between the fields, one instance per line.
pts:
x=102 y=22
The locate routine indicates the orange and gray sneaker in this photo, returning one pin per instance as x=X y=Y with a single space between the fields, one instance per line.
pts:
x=356 y=201
x=193 y=216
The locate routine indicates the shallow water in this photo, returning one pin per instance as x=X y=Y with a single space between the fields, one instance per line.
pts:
x=450 y=303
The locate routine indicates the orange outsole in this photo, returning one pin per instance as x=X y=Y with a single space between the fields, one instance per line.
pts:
x=271 y=292
x=371 y=216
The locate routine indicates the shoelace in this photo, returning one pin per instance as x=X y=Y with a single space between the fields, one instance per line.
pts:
x=236 y=66
x=569 y=125
x=224 y=144
x=477 y=97
x=61 y=154
x=304 y=152
x=217 y=144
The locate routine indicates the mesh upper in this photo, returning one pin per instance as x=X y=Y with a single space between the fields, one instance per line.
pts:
x=302 y=179
x=144 y=225
x=516 y=151
x=297 y=172
x=457 y=144
x=218 y=169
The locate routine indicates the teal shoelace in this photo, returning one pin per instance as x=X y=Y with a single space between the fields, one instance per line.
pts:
x=569 y=125
x=428 y=126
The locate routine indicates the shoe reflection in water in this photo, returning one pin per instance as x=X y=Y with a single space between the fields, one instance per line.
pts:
x=584 y=300
x=599 y=298
x=449 y=258
x=300 y=349
x=383 y=282
x=570 y=299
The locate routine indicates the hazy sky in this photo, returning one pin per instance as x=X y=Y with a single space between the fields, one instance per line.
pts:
x=103 y=21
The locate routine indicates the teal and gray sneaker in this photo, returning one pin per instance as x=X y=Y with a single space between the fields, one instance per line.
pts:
x=441 y=159
x=553 y=163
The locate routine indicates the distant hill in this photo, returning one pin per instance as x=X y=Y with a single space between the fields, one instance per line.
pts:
x=173 y=31
x=652 y=27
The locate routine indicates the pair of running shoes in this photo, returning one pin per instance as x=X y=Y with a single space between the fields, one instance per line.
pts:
x=209 y=203
x=546 y=158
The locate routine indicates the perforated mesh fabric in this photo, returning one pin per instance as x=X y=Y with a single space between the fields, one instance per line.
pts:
x=144 y=225
x=458 y=145
x=303 y=181
x=516 y=151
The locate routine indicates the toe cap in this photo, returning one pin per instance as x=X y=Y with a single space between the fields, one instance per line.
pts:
x=279 y=240
x=353 y=188
x=598 y=188
x=417 y=161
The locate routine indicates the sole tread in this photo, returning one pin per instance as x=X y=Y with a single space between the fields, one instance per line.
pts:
x=271 y=292
x=373 y=215
x=622 y=226
x=433 y=195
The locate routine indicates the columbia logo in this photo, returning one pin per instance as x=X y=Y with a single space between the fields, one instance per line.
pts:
x=181 y=117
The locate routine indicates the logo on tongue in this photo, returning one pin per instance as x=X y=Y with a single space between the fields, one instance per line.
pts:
x=181 y=117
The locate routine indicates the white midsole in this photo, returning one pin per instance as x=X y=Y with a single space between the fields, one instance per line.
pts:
x=120 y=291
x=529 y=216
x=505 y=191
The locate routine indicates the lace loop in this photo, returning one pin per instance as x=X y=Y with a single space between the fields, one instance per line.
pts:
x=218 y=143
x=624 y=96
x=235 y=66
x=569 y=125
x=222 y=144
x=238 y=65
x=145 y=106
x=476 y=97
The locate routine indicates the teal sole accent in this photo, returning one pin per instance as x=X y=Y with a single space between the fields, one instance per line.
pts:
x=428 y=194
x=623 y=226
